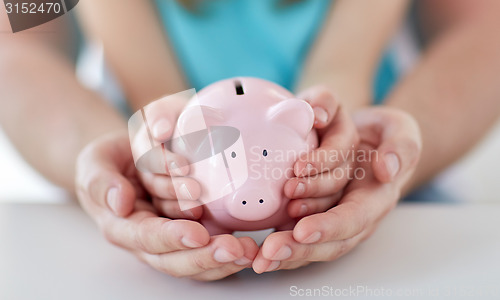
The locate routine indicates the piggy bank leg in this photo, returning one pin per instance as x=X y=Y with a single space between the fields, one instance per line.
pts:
x=215 y=229
x=287 y=226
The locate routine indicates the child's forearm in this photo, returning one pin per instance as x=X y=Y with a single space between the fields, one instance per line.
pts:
x=348 y=49
x=45 y=112
x=454 y=94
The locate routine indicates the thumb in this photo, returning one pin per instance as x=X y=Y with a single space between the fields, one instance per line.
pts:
x=101 y=175
x=399 y=141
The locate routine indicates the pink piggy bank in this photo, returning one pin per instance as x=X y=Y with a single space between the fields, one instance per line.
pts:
x=241 y=137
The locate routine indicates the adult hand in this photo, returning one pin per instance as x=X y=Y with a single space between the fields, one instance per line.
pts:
x=109 y=190
x=393 y=139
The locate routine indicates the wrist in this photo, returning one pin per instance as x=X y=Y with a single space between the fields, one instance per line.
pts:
x=350 y=90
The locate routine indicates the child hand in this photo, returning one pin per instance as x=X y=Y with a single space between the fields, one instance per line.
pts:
x=166 y=183
x=322 y=173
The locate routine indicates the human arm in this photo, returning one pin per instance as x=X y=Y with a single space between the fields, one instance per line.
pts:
x=346 y=53
x=453 y=92
x=45 y=112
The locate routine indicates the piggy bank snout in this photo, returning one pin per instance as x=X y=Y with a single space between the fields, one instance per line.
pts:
x=252 y=204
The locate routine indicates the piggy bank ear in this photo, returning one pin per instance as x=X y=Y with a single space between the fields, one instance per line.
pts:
x=199 y=117
x=294 y=113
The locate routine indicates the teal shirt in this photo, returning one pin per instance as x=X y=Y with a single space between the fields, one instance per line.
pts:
x=260 y=38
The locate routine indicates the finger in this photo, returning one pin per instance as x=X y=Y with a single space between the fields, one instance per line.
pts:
x=292 y=265
x=338 y=143
x=100 y=175
x=326 y=252
x=303 y=207
x=146 y=232
x=161 y=115
x=160 y=160
x=305 y=254
x=319 y=185
x=166 y=187
x=357 y=210
x=172 y=209
x=221 y=250
x=250 y=248
x=323 y=102
x=281 y=246
x=398 y=140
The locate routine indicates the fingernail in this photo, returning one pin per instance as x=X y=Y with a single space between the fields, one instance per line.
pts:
x=320 y=114
x=161 y=128
x=223 y=256
x=392 y=163
x=299 y=189
x=303 y=210
x=308 y=169
x=190 y=243
x=112 y=199
x=185 y=194
x=242 y=261
x=283 y=253
x=313 y=238
x=273 y=266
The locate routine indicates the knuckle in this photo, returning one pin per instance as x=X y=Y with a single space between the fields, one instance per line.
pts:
x=141 y=257
x=413 y=149
x=174 y=273
x=110 y=237
x=344 y=247
x=368 y=234
x=337 y=231
x=163 y=267
x=307 y=252
x=168 y=270
x=200 y=262
x=140 y=236
x=395 y=195
x=359 y=222
x=201 y=278
x=333 y=254
x=294 y=266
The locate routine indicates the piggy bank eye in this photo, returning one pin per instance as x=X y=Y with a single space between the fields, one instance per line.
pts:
x=233 y=154
x=264 y=152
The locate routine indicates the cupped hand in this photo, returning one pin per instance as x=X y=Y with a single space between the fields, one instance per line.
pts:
x=389 y=152
x=326 y=170
x=163 y=173
x=110 y=191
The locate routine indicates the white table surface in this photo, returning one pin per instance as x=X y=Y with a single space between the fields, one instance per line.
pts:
x=422 y=251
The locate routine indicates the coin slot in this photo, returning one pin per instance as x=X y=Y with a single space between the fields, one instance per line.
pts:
x=239 y=88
